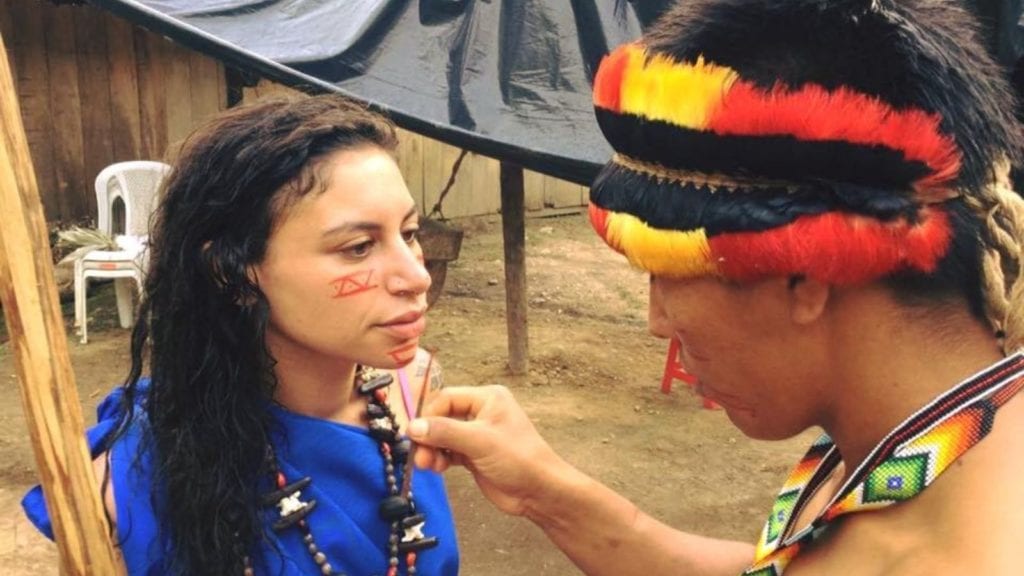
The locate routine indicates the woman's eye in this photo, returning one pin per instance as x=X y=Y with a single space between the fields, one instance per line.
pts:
x=359 y=250
x=410 y=235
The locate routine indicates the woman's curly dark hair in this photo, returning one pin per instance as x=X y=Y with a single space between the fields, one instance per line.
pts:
x=202 y=319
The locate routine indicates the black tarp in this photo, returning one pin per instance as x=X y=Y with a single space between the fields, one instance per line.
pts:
x=505 y=78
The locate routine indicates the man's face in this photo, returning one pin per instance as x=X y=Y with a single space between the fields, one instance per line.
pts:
x=747 y=353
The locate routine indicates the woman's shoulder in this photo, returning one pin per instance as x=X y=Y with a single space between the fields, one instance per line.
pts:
x=114 y=437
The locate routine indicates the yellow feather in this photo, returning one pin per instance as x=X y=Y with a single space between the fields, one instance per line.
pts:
x=683 y=94
x=671 y=253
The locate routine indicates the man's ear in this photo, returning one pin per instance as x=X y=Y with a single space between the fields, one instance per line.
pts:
x=808 y=299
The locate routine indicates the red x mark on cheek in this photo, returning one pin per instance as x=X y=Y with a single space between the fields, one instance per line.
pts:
x=352 y=284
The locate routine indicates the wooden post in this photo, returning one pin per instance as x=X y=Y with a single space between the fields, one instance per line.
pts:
x=513 y=227
x=40 y=349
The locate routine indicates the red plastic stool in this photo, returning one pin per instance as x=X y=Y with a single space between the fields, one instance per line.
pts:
x=674 y=370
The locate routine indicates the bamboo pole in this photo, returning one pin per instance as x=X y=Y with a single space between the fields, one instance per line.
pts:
x=39 y=346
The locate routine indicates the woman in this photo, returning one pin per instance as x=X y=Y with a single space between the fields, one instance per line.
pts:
x=819 y=190
x=284 y=264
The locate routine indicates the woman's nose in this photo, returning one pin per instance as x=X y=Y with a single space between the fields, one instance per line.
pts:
x=657 y=321
x=408 y=273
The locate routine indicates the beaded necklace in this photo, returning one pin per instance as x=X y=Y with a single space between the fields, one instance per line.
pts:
x=397 y=508
x=900 y=467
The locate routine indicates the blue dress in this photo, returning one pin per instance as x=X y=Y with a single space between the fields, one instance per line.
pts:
x=346 y=467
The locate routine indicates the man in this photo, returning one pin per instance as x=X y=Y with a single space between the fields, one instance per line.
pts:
x=820 y=192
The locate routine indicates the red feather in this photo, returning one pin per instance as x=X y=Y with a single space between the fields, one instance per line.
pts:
x=813 y=113
x=835 y=247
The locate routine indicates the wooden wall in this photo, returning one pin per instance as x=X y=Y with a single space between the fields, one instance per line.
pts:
x=95 y=90
x=427 y=166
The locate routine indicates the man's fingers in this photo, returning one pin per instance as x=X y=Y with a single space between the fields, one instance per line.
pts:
x=456 y=425
x=461 y=402
x=435 y=459
x=468 y=438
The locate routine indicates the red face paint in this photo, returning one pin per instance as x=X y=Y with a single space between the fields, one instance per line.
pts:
x=404 y=354
x=352 y=284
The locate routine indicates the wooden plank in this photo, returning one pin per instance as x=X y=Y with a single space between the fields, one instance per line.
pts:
x=33 y=81
x=458 y=202
x=434 y=174
x=560 y=193
x=222 y=87
x=65 y=106
x=38 y=344
x=266 y=89
x=7 y=28
x=122 y=72
x=177 y=93
x=402 y=159
x=94 y=89
x=208 y=97
x=410 y=155
x=513 y=227
x=493 y=171
x=485 y=180
x=533 y=183
x=149 y=53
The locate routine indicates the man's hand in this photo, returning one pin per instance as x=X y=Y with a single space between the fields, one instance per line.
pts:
x=485 y=430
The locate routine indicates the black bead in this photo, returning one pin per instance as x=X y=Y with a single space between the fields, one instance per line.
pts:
x=272 y=498
x=381 y=434
x=417 y=545
x=375 y=383
x=393 y=508
x=400 y=451
x=375 y=410
x=410 y=521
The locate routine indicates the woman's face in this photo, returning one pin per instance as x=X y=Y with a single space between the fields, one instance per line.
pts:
x=343 y=271
x=746 y=351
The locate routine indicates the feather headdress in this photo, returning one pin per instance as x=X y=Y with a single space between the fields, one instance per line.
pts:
x=822 y=138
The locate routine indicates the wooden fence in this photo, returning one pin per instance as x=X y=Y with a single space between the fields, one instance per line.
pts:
x=95 y=90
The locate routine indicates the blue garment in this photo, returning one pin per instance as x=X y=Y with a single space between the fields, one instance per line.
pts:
x=347 y=470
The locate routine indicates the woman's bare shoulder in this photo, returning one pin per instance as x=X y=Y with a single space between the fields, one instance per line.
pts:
x=101 y=468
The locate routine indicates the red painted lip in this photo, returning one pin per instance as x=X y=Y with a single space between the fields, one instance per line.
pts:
x=407 y=326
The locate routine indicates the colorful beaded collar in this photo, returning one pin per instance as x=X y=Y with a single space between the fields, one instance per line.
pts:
x=900 y=467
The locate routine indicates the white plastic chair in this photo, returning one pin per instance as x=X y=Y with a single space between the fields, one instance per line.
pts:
x=129 y=188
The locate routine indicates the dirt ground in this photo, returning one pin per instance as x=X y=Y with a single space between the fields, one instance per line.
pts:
x=592 y=389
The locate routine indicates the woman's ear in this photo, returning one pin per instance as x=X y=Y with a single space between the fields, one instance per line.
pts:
x=808 y=299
